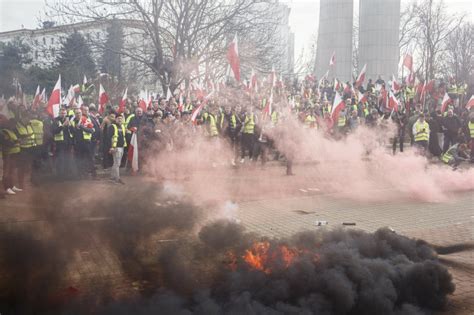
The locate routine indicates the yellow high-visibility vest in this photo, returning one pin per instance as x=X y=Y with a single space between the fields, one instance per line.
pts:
x=115 y=136
x=27 y=136
x=249 y=124
x=86 y=136
x=37 y=126
x=11 y=137
x=471 y=129
x=422 y=131
x=213 y=126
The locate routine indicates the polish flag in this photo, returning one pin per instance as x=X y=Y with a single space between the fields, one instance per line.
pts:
x=43 y=95
x=103 y=99
x=337 y=106
x=332 y=61
x=408 y=62
x=133 y=153
x=233 y=58
x=142 y=104
x=446 y=101
x=470 y=104
x=410 y=79
x=180 y=102
x=364 y=98
x=80 y=102
x=69 y=99
x=37 y=99
x=84 y=81
x=393 y=102
x=395 y=85
x=253 y=81
x=54 y=101
x=200 y=107
x=267 y=111
x=123 y=102
x=361 y=77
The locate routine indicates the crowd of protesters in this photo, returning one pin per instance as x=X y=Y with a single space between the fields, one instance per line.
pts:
x=79 y=140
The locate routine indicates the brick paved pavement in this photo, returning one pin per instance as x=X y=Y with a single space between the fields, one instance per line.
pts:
x=292 y=207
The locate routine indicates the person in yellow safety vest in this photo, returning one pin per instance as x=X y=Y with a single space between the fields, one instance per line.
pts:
x=248 y=134
x=275 y=116
x=188 y=106
x=452 y=90
x=82 y=128
x=62 y=139
x=213 y=122
x=310 y=120
x=27 y=144
x=11 y=154
x=38 y=151
x=118 y=143
x=470 y=126
x=455 y=155
x=421 y=132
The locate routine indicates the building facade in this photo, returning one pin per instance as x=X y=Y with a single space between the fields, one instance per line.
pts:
x=379 y=24
x=335 y=36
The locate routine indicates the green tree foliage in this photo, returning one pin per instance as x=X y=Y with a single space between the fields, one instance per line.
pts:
x=75 y=60
x=13 y=57
x=111 y=58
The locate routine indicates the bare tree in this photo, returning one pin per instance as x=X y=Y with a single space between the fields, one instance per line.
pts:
x=425 y=28
x=180 y=40
x=459 y=54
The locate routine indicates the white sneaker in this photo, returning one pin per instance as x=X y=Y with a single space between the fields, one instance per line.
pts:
x=9 y=191
x=242 y=161
x=16 y=189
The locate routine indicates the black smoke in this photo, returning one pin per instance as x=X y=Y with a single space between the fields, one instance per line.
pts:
x=180 y=264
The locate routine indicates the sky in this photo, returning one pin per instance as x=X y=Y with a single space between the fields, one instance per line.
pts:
x=303 y=17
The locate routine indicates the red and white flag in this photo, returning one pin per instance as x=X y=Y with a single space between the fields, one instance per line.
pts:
x=54 y=101
x=267 y=111
x=446 y=101
x=410 y=79
x=470 y=104
x=408 y=62
x=364 y=98
x=198 y=109
x=84 y=81
x=337 y=106
x=272 y=78
x=233 y=58
x=361 y=77
x=332 y=61
x=103 y=99
x=80 y=102
x=393 y=103
x=253 y=81
x=180 y=102
x=123 y=102
x=69 y=99
x=43 y=95
x=133 y=153
x=37 y=99
x=395 y=85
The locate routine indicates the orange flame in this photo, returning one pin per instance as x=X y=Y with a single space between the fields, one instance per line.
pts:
x=257 y=256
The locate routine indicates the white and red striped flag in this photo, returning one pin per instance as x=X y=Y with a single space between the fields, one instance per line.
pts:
x=233 y=58
x=393 y=103
x=446 y=101
x=332 y=61
x=267 y=111
x=470 y=104
x=361 y=77
x=123 y=102
x=133 y=153
x=337 y=106
x=37 y=99
x=103 y=99
x=408 y=62
x=198 y=109
x=253 y=81
x=54 y=101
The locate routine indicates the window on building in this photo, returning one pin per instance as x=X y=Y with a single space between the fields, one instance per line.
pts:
x=53 y=52
x=44 y=40
x=52 y=40
x=36 y=54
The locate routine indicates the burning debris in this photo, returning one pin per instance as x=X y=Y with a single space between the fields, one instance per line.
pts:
x=221 y=268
